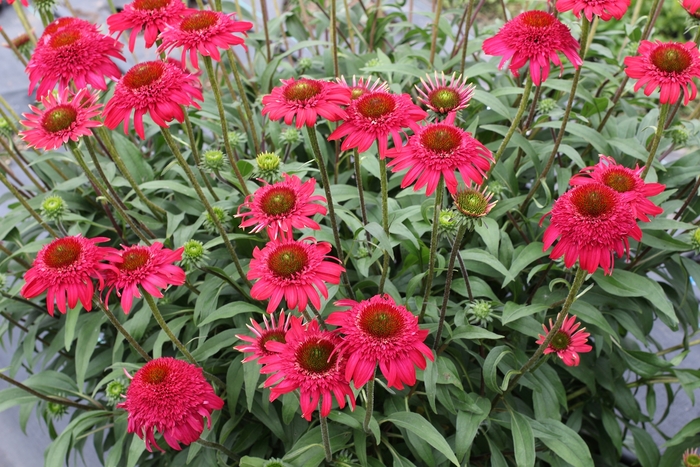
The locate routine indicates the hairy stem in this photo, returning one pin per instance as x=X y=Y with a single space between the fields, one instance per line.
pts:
x=244 y=100
x=433 y=247
x=385 y=219
x=326 y=438
x=369 y=409
x=448 y=282
x=433 y=40
x=115 y=322
x=26 y=205
x=663 y=113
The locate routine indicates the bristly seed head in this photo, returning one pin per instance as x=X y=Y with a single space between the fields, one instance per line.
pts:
x=302 y=90
x=59 y=118
x=198 y=21
x=593 y=200
x=62 y=252
x=288 y=260
x=316 y=355
x=143 y=74
x=671 y=58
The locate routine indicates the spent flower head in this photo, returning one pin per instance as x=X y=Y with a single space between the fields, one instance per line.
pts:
x=53 y=207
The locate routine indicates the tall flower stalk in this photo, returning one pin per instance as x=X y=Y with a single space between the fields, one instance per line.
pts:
x=663 y=113
x=434 y=239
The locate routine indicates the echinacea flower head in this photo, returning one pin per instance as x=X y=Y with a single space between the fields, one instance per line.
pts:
x=282 y=206
x=150 y=16
x=273 y=331
x=623 y=180
x=172 y=397
x=690 y=456
x=568 y=342
x=439 y=150
x=591 y=221
x=536 y=37
x=605 y=9
x=670 y=66
x=203 y=32
x=65 y=117
x=378 y=331
x=309 y=360
x=66 y=267
x=445 y=95
x=362 y=86
x=305 y=100
x=67 y=22
x=149 y=267
x=375 y=116
x=473 y=203
x=73 y=54
x=293 y=270
x=692 y=6
x=158 y=88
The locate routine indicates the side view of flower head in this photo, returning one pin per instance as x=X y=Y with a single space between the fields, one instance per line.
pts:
x=361 y=86
x=273 y=331
x=605 y=9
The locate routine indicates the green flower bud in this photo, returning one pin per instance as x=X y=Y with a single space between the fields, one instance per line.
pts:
x=44 y=6
x=373 y=62
x=194 y=253
x=56 y=410
x=496 y=188
x=235 y=138
x=114 y=391
x=3 y=281
x=213 y=160
x=480 y=312
x=695 y=240
x=545 y=106
x=5 y=129
x=268 y=166
x=290 y=136
x=448 y=222
x=275 y=463
x=221 y=215
x=679 y=135
x=362 y=252
x=304 y=64
x=344 y=459
x=53 y=207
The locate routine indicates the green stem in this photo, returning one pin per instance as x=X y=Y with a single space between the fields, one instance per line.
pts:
x=361 y=191
x=218 y=447
x=263 y=7
x=385 y=219
x=433 y=41
x=244 y=100
x=326 y=438
x=24 y=169
x=224 y=125
x=663 y=113
x=448 y=282
x=195 y=154
x=25 y=23
x=26 y=205
x=55 y=400
x=164 y=326
x=433 y=247
x=12 y=46
x=193 y=181
x=129 y=338
x=311 y=132
x=369 y=409
x=467 y=28
x=334 y=38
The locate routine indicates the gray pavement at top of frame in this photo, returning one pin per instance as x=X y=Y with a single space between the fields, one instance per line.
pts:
x=20 y=450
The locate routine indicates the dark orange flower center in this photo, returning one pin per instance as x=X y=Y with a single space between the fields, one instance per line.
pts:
x=134 y=259
x=278 y=201
x=64 y=38
x=537 y=19
x=302 y=90
x=59 y=118
x=316 y=356
x=155 y=374
x=619 y=180
x=357 y=92
x=671 y=58
x=381 y=321
x=271 y=336
x=143 y=74
x=198 y=21
x=593 y=200
x=441 y=138
x=444 y=99
x=58 y=24
x=560 y=341
x=471 y=203
x=375 y=105
x=288 y=260
x=62 y=252
x=149 y=4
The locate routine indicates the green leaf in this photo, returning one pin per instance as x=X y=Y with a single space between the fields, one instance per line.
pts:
x=586 y=134
x=645 y=448
x=72 y=316
x=692 y=428
x=377 y=232
x=524 y=258
x=135 y=450
x=564 y=441
x=230 y=310
x=139 y=169
x=513 y=311
x=251 y=375
x=87 y=340
x=488 y=259
x=523 y=440
x=468 y=425
x=420 y=427
x=468 y=331
x=491 y=366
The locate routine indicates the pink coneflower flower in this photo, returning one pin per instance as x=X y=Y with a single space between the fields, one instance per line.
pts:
x=373 y=117
x=149 y=267
x=438 y=150
x=73 y=54
x=445 y=95
x=290 y=269
x=670 y=66
x=273 y=332
x=24 y=2
x=309 y=360
x=282 y=206
x=151 y=16
x=606 y=9
x=380 y=331
x=690 y=456
x=568 y=342
x=306 y=99
x=591 y=221
x=691 y=6
x=157 y=88
x=537 y=37
x=172 y=397
x=67 y=266
x=203 y=32
x=65 y=117
x=362 y=86
x=623 y=180
x=67 y=22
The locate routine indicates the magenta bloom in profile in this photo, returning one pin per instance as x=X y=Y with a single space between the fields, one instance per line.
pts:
x=157 y=88
x=536 y=37
x=445 y=95
x=362 y=86
x=282 y=206
x=691 y=6
x=149 y=267
x=74 y=55
x=65 y=117
x=203 y=32
x=623 y=180
x=439 y=150
x=670 y=66
x=65 y=268
x=375 y=116
x=294 y=270
x=568 y=342
x=306 y=100
x=272 y=332
x=172 y=397
x=605 y=9
x=378 y=331
x=311 y=362
x=591 y=222
x=149 y=16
